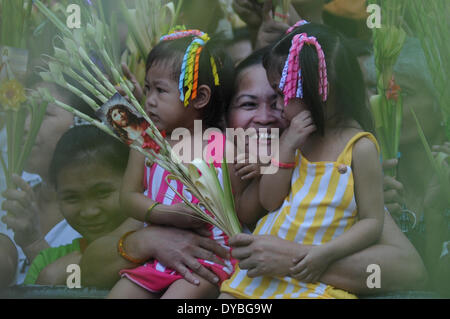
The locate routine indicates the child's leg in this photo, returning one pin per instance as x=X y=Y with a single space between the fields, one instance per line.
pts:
x=126 y=289
x=181 y=289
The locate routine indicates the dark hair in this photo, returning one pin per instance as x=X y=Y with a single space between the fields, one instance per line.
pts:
x=171 y=54
x=88 y=144
x=345 y=79
x=256 y=58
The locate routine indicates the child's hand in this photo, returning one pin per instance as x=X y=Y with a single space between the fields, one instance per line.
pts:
x=312 y=266
x=249 y=169
x=301 y=126
x=137 y=89
x=182 y=216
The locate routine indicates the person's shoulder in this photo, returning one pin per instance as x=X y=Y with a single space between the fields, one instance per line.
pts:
x=50 y=254
x=366 y=144
x=359 y=139
x=60 y=251
x=365 y=151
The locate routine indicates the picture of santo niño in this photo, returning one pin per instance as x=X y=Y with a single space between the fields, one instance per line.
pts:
x=128 y=125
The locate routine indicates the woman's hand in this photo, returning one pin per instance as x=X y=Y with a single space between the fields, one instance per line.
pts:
x=435 y=196
x=179 y=249
x=23 y=213
x=266 y=255
x=247 y=170
x=393 y=189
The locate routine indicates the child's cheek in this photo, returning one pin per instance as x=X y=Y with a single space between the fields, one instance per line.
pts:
x=294 y=107
x=291 y=110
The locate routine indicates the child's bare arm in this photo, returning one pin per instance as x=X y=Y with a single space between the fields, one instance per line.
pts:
x=132 y=201
x=273 y=188
x=366 y=231
x=368 y=179
x=136 y=204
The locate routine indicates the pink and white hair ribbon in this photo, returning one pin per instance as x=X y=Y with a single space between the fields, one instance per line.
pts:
x=296 y=25
x=291 y=78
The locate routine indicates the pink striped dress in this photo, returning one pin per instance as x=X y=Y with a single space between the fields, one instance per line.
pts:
x=153 y=275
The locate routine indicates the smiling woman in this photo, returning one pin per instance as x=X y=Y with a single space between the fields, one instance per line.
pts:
x=86 y=169
x=254 y=103
x=90 y=205
x=253 y=106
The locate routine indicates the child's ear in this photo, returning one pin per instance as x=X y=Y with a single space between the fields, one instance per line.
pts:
x=203 y=97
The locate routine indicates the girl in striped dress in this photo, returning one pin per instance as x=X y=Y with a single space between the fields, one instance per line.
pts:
x=182 y=86
x=328 y=190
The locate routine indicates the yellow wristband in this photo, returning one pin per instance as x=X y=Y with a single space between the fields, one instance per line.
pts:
x=149 y=210
x=122 y=250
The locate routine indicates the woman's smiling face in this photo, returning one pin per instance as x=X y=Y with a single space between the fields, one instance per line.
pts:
x=255 y=103
x=89 y=198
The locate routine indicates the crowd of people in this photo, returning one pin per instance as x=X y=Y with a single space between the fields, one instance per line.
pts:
x=310 y=230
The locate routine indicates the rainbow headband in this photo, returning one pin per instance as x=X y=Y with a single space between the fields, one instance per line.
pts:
x=190 y=64
x=291 y=78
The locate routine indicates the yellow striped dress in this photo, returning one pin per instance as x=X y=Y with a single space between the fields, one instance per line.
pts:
x=320 y=207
